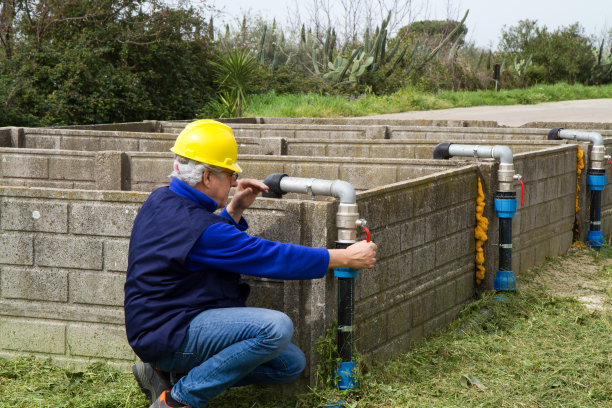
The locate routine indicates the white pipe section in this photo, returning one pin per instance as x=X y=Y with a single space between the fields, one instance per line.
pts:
x=592 y=137
x=503 y=153
x=342 y=190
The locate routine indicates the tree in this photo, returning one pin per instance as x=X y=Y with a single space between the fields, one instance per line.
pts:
x=86 y=61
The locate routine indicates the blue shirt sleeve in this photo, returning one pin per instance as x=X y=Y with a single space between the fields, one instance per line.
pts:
x=229 y=248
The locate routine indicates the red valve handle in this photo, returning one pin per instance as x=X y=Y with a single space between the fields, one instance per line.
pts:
x=523 y=189
x=367 y=231
x=610 y=168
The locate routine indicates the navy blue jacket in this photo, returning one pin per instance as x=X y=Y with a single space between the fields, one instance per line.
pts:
x=184 y=259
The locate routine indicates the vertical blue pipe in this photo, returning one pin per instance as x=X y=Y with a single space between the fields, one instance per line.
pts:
x=596 y=181
x=346 y=375
x=505 y=206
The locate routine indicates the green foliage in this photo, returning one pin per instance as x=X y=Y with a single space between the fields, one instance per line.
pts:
x=234 y=72
x=102 y=61
x=566 y=54
x=328 y=359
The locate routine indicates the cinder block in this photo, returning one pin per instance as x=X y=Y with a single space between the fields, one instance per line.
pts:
x=398 y=270
x=275 y=146
x=16 y=249
x=97 y=340
x=370 y=282
x=32 y=336
x=392 y=151
x=445 y=297
x=413 y=233
x=147 y=145
x=295 y=148
x=116 y=255
x=423 y=200
x=108 y=170
x=97 y=288
x=35 y=284
x=376 y=132
x=465 y=286
x=391 y=244
x=18 y=165
x=40 y=216
x=400 y=206
x=80 y=143
x=368 y=176
x=125 y=144
x=423 y=259
x=368 y=333
x=348 y=150
x=68 y=252
x=110 y=220
x=436 y=226
x=71 y=168
x=399 y=320
x=148 y=169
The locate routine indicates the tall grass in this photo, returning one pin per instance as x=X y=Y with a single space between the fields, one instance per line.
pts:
x=315 y=105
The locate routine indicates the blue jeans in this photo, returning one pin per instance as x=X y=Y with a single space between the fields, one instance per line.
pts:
x=233 y=347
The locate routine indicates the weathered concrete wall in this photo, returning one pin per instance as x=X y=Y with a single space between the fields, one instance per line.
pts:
x=64 y=257
x=424 y=275
x=88 y=140
x=144 y=171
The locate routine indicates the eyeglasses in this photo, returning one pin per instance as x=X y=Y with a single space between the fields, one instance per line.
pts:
x=233 y=175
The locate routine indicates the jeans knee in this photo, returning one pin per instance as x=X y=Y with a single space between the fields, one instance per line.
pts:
x=279 y=329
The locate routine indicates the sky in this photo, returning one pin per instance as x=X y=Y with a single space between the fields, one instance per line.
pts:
x=485 y=20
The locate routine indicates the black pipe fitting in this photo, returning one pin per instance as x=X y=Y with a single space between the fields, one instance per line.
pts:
x=553 y=134
x=441 y=151
x=273 y=182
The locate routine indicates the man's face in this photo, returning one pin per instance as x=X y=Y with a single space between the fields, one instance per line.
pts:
x=220 y=184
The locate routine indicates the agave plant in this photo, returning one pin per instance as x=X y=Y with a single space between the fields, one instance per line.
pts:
x=234 y=73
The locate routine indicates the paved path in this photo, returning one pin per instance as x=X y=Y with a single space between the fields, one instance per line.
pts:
x=591 y=110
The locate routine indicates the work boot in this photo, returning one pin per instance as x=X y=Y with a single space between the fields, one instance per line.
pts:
x=151 y=382
x=162 y=402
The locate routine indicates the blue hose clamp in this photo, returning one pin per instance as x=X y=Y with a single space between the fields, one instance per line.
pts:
x=505 y=207
x=596 y=182
x=346 y=272
x=504 y=281
x=346 y=375
x=595 y=239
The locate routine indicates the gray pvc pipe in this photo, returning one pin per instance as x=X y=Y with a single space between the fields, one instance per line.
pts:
x=592 y=137
x=503 y=153
x=342 y=190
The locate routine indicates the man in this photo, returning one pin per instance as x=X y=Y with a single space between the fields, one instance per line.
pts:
x=184 y=299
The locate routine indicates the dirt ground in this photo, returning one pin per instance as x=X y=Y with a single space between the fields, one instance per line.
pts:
x=582 y=273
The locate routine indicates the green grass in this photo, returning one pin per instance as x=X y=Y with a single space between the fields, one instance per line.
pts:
x=315 y=105
x=532 y=349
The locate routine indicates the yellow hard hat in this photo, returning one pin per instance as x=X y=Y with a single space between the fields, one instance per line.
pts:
x=208 y=141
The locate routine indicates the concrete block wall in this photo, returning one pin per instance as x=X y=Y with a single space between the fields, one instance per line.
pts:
x=64 y=257
x=424 y=274
x=62 y=269
x=61 y=169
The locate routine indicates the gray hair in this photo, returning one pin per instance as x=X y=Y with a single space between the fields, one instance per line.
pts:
x=190 y=171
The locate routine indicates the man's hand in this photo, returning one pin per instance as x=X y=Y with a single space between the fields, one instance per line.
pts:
x=360 y=255
x=246 y=192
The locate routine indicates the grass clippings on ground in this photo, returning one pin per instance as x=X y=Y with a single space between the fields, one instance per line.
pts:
x=548 y=345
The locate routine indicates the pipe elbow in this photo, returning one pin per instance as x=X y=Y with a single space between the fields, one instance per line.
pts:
x=503 y=153
x=273 y=182
x=596 y=138
x=441 y=151
x=344 y=191
x=553 y=134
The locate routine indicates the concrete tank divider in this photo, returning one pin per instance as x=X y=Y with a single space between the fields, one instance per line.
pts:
x=64 y=256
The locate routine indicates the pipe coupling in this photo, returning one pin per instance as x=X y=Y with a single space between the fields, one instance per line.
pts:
x=505 y=177
x=346 y=222
x=598 y=153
